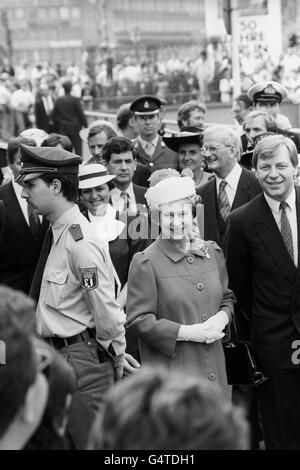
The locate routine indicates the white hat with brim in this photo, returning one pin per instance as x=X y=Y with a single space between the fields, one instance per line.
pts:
x=93 y=175
x=169 y=190
x=100 y=122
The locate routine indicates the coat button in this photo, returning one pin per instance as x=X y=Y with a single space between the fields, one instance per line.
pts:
x=190 y=259
x=200 y=286
x=212 y=377
x=204 y=316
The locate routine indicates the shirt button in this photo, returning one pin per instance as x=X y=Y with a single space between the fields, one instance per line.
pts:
x=204 y=316
x=212 y=377
x=200 y=286
x=190 y=259
x=89 y=343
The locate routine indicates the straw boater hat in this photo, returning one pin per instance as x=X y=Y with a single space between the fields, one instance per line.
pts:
x=93 y=175
x=169 y=190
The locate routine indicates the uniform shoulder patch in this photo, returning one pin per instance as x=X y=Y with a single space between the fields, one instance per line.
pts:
x=89 y=278
x=76 y=232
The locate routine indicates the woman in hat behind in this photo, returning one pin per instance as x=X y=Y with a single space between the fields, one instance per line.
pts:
x=121 y=235
x=178 y=298
x=188 y=145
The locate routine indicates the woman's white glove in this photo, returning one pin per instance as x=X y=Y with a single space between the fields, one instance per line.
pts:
x=207 y=332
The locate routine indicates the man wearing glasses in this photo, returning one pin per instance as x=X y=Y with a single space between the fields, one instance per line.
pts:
x=232 y=186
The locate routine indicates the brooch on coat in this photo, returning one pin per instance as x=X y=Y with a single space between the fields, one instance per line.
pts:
x=200 y=247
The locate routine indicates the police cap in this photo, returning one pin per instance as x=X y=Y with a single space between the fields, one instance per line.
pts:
x=146 y=105
x=267 y=92
x=44 y=160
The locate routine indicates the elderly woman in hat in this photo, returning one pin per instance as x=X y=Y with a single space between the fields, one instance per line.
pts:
x=178 y=300
x=187 y=144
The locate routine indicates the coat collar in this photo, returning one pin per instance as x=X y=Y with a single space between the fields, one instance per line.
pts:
x=176 y=254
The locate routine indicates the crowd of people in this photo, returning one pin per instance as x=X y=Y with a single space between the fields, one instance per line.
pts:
x=122 y=273
x=175 y=75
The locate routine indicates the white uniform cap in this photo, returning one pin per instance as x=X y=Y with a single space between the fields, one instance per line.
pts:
x=170 y=190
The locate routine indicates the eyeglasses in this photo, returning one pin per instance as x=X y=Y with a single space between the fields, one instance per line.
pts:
x=211 y=149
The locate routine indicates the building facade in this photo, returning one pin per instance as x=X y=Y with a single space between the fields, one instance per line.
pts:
x=61 y=30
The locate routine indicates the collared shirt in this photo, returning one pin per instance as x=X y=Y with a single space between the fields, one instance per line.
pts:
x=77 y=290
x=232 y=180
x=48 y=103
x=145 y=144
x=118 y=201
x=291 y=215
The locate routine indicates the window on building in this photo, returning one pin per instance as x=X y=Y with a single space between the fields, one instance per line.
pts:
x=19 y=13
x=52 y=13
x=64 y=13
x=75 y=12
x=41 y=13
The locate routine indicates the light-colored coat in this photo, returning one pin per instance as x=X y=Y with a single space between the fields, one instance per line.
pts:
x=168 y=288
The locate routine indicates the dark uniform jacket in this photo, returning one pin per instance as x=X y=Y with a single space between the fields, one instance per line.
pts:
x=163 y=157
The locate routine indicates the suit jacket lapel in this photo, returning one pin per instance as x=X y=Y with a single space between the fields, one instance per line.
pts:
x=242 y=191
x=211 y=212
x=158 y=151
x=15 y=215
x=268 y=232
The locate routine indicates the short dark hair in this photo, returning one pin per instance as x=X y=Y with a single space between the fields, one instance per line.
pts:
x=245 y=99
x=13 y=146
x=267 y=146
x=19 y=372
x=69 y=184
x=67 y=86
x=117 y=145
x=158 y=408
x=123 y=116
x=101 y=128
x=54 y=139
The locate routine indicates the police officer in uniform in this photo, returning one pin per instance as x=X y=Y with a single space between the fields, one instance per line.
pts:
x=151 y=149
x=76 y=310
x=269 y=95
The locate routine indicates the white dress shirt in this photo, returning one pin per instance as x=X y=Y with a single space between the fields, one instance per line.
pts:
x=291 y=215
x=118 y=202
x=232 y=180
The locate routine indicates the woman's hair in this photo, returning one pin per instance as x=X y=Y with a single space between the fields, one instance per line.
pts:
x=161 y=409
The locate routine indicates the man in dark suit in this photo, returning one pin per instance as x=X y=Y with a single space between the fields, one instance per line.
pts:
x=68 y=117
x=263 y=265
x=151 y=150
x=21 y=230
x=43 y=108
x=232 y=186
x=120 y=159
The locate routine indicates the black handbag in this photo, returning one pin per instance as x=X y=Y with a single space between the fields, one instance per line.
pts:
x=242 y=366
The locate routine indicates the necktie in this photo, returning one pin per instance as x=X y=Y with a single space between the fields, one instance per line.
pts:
x=286 y=230
x=223 y=200
x=149 y=149
x=126 y=201
x=39 y=270
x=34 y=221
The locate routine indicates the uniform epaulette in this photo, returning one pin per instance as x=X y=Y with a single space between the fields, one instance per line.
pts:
x=76 y=232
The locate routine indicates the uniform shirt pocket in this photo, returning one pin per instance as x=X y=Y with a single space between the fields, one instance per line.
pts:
x=56 y=287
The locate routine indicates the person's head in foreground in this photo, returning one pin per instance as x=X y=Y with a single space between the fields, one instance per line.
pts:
x=23 y=385
x=162 y=409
